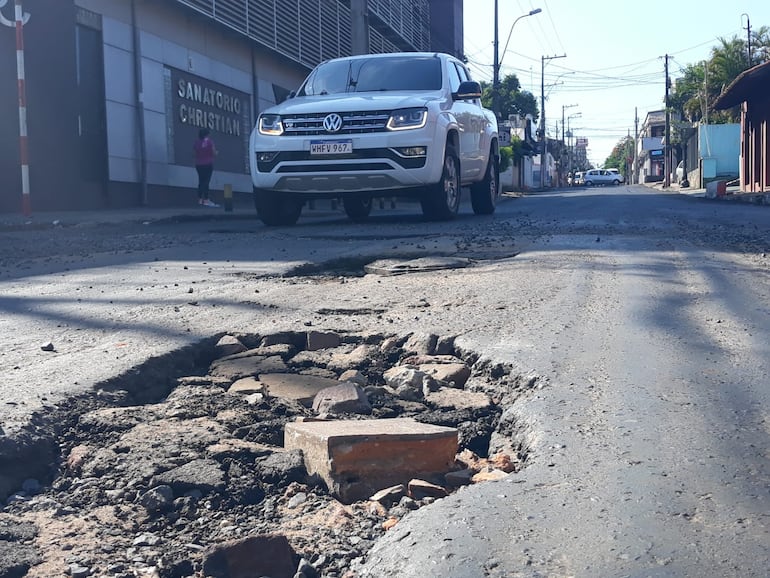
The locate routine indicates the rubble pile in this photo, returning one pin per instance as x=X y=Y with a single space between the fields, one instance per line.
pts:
x=202 y=483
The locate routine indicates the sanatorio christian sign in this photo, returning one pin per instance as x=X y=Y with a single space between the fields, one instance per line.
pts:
x=192 y=103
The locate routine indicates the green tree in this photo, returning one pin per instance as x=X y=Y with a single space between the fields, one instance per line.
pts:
x=760 y=45
x=513 y=100
x=620 y=154
x=687 y=96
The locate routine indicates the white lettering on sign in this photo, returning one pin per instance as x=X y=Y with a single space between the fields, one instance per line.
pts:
x=210 y=120
x=208 y=96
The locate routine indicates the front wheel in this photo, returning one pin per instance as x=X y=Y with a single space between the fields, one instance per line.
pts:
x=357 y=208
x=441 y=200
x=589 y=183
x=485 y=193
x=276 y=210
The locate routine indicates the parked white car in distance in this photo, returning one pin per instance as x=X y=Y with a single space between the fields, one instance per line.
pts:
x=601 y=177
x=617 y=172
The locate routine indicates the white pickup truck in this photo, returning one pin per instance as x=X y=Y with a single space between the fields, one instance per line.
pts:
x=377 y=125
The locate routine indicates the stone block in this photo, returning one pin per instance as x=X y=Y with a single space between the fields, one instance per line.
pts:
x=419 y=489
x=356 y=458
x=342 y=398
x=454 y=374
x=246 y=386
x=716 y=189
x=300 y=388
x=262 y=555
x=229 y=345
x=322 y=340
x=458 y=398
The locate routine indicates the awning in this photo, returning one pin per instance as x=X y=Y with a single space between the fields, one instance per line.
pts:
x=749 y=83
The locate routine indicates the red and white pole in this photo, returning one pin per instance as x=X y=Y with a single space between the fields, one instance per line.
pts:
x=23 y=139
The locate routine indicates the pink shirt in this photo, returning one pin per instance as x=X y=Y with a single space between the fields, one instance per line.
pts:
x=204 y=151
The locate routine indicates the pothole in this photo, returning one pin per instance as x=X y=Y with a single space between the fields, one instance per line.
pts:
x=360 y=265
x=179 y=469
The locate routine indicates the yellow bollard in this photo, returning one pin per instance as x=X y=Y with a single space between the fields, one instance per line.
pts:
x=229 y=198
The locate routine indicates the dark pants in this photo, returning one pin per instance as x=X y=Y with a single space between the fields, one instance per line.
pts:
x=204 y=178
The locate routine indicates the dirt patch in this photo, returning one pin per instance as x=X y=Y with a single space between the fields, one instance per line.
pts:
x=150 y=479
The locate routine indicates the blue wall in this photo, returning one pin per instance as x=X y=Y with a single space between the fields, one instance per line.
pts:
x=721 y=142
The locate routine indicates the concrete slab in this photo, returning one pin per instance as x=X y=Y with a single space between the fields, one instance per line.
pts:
x=356 y=458
x=300 y=388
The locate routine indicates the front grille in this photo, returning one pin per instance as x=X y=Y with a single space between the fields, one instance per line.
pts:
x=310 y=163
x=352 y=123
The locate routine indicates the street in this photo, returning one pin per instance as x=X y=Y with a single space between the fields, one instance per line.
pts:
x=642 y=313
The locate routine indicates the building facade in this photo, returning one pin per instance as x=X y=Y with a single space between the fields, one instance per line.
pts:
x=751 y=91
x=116 y=90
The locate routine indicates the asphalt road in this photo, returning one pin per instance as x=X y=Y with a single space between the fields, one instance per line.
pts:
x=644 y=313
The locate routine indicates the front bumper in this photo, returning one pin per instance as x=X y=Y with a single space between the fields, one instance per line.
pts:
x=378 y=162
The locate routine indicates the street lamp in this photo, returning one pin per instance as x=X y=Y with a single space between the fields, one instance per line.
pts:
x=571 y=147
x=563 y=108
x=498 y=59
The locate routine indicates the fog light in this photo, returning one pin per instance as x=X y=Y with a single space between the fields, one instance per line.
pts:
x=411 y=151
x=266 y=157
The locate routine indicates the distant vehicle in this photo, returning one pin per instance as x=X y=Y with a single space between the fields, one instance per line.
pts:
x=617 y=172
x=679 y=172
x=577 y=180
x=601 y=177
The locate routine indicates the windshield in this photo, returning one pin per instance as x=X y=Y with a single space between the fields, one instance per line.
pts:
x=398 y=73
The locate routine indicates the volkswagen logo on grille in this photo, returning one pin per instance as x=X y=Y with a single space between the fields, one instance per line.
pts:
x=332 y=122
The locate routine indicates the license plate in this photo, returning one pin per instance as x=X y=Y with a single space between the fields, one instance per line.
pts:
x=331 y=147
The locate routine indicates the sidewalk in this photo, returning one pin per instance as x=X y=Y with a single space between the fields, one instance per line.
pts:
x=732 y=193
x=50 y=219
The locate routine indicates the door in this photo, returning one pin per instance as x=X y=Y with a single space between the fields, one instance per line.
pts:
x=92 y=132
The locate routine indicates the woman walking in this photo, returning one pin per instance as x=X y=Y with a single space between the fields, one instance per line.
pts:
x=205 y=151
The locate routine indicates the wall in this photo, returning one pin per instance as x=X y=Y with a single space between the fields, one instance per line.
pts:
x=721 y=142
x=176 y=43
x=51 y=109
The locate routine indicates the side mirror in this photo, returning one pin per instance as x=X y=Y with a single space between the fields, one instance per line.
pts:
x=467 y=90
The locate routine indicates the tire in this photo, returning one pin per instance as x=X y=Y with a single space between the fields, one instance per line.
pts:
x=357 y=208
x=276 y=210
x=616 y=182
x=486 y=192
x=441 y=201
x=589 y=183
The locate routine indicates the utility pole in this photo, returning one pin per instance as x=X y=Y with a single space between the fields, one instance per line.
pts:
x=20 y=19
x=635 y=178
x=667 y=137
x=543 y=138
x=496 y=69
x=498 y=59
x=359 y=27
x=748 y=36
x=563 y=108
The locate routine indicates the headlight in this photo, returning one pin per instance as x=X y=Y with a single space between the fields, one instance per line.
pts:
x=270 y=124
x=408 y=118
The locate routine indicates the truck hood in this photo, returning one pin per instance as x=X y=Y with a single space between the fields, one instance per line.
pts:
x=354 y=102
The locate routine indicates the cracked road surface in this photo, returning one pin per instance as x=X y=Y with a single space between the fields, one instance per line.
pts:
x=646 y=312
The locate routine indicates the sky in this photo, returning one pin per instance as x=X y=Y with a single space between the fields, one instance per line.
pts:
x=613 y=54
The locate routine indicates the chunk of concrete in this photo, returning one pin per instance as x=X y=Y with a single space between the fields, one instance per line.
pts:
x=342 y=398
x=458 y=398
x=246 y=386
x=356 y=458
x=300 y=388
x=261 y=555
x=322 y=340
x=454 y=374
x=228 y=345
